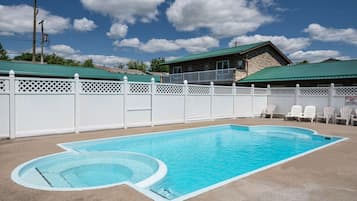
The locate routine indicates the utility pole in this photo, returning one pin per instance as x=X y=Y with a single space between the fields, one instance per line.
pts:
x=35 y=12
x=42 y=39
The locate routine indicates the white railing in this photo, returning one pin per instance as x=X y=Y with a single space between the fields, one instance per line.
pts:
x=201 y=76
x=35 y=106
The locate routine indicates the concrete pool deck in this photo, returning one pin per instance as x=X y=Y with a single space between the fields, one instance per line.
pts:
x=327 y=174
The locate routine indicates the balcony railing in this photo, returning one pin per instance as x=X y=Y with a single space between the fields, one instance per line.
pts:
x=202 y=76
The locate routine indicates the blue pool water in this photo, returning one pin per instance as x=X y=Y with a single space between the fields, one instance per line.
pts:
x=201 y=157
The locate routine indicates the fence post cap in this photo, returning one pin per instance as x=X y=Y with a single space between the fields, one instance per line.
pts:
x=76 y=75
x=11 y=72
x=211 y=83
x=268 y=86
x=332 y=84
x=152 y=79
x=125 y=78
x=185 y=82
x=234 y=84
x=297 y=85
x=252 y=85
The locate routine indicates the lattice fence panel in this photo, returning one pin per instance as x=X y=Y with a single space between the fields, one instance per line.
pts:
x=223 y=90
x=314 y=91
x=282 y=91
x=4 y=86
x=139 y=88
x=41 y=86
x=169 y=89
x=199 y=90
x=260 y=91
x=100 y=87
x=346 y=91
x=243 y=90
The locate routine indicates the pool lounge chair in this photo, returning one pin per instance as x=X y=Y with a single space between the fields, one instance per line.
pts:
x=269 y=110
x=354 y=118
x=328 y=114
x=309 y=113
x=345 y=114
x=296 y=111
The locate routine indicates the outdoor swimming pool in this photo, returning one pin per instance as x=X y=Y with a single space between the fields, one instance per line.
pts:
x=196 y=159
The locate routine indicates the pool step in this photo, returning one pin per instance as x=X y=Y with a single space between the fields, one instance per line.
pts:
x=165 y=193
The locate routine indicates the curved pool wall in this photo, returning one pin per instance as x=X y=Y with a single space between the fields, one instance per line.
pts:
x=200 y=159
x=70 y=170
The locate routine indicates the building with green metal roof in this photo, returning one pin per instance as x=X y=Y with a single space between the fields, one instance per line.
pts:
x=59 y=71
x=225 y=66
x=314 y=74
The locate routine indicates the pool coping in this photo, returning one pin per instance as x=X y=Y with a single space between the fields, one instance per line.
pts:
x=159 y=174
x=157 y=197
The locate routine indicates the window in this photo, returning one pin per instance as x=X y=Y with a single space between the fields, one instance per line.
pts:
x=224 y=64
x=241 y=64
x=177 y=69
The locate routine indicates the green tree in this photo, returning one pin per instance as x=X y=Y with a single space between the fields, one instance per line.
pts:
x=3 y=53
x=54 y=59
x=26 y=56
x=88 y=63
x=157 y=65
x=138 y=65
x=121 y=65
x=303 y=62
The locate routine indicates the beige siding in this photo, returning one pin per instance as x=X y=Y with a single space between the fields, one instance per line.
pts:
x=260 y=61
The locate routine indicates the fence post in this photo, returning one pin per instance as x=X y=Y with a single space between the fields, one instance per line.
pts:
x=297 y=94
x=76 y=102
x=125 y=109
x=12 y=118
x=185 y=91
x=211 y=101
x=253 y=99
x=153 y=91
x=331 y=94
x=234 y=92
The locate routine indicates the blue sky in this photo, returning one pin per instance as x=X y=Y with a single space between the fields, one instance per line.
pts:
x=116 y=31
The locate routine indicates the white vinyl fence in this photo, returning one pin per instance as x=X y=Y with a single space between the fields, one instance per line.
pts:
x=285 y=97
x=37 y=106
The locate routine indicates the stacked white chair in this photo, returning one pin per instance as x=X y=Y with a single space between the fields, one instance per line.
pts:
x=309 y=113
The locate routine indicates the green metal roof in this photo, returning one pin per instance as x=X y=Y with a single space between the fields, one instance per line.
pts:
x=221 y=52
x=314 y=71
x=49 y=70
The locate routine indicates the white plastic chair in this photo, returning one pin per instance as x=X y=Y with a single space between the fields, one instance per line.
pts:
x=309 y=113
x=354 y=118
x=269 y=110
x=328 y=114
x=296 y=111
x=345 y=114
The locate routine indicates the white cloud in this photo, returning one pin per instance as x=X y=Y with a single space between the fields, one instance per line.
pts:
x=283 y=43
x=222 y=18
x=199 y=44
x=193 y=45
x=103 y=60
x=69 y=52
x=118 y=30
x=84 y=24
x=318 y=32
x=158 y=45
x=63 y=50
x=131 y=42
x=125 y=11
x=18 y=19
x=316 y=55
x=169 y=58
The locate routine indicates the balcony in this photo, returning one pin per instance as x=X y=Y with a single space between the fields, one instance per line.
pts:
x=222 y=75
